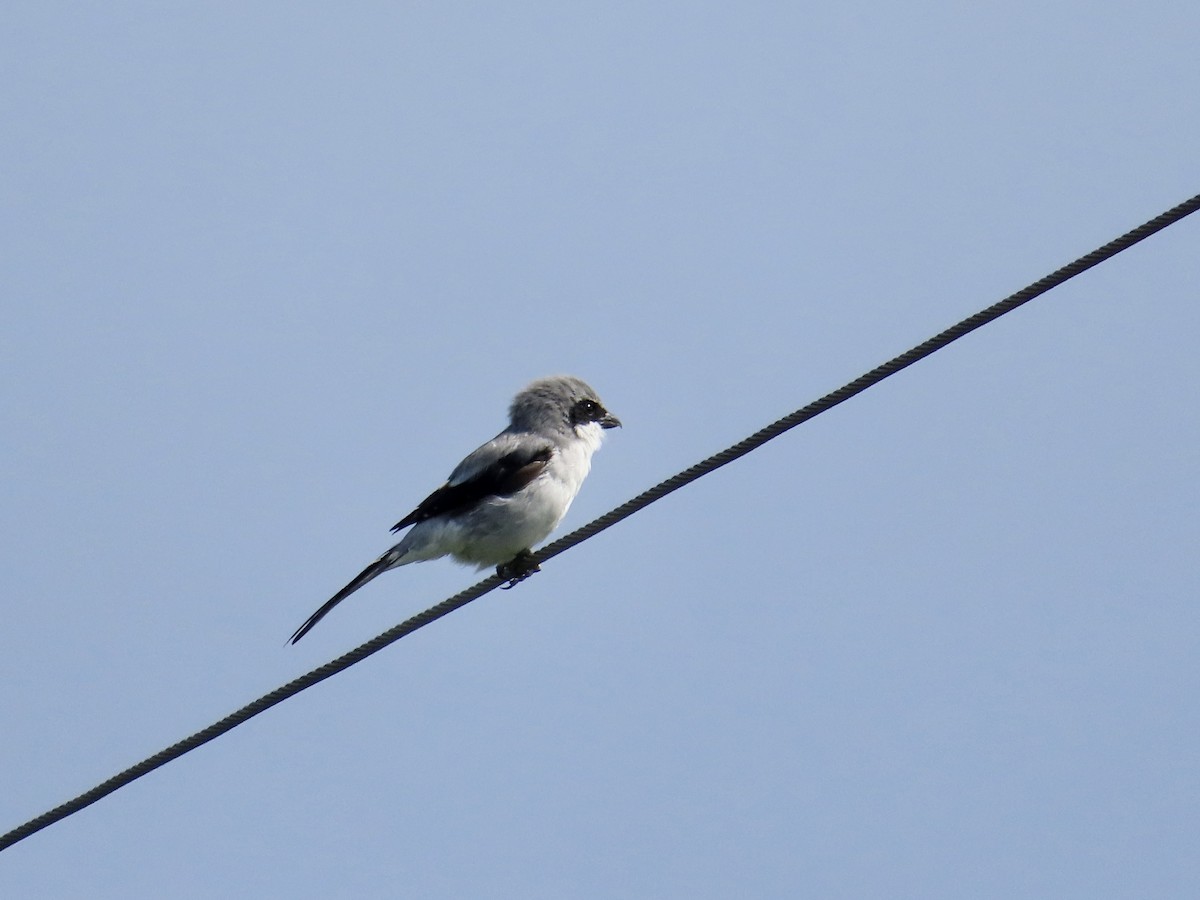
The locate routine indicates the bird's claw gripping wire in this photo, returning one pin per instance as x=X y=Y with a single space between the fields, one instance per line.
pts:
x=517 y=569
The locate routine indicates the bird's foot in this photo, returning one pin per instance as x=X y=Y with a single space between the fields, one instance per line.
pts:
x=518 y=569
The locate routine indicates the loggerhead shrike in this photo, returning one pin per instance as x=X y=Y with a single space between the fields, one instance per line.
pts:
x=506 y=496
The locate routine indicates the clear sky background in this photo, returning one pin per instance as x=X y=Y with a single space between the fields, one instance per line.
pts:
x=270 y=269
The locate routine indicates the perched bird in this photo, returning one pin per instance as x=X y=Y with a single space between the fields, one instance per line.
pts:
x=506 y=496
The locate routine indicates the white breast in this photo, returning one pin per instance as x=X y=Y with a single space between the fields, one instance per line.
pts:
x=504 y=526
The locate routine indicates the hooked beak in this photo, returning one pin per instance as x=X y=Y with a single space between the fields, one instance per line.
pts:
x=609 y=421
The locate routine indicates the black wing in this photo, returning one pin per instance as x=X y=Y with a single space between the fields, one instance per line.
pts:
x=501 y=478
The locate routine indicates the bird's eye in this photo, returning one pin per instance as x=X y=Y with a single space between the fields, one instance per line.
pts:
x=587 y=411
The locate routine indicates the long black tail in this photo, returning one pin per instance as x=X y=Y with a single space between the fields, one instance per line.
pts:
x=378 y=567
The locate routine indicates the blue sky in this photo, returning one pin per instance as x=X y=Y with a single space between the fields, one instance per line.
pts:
x=272 y=269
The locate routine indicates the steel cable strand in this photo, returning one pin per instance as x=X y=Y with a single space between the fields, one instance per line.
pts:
x=876 y=375
x=674 y=483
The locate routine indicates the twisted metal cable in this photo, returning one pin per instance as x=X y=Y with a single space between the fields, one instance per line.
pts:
x=870 y=379
x=674 y=483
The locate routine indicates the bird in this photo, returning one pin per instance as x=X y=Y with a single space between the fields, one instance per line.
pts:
x=507 y=495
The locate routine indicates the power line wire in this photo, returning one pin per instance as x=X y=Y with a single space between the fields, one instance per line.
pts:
x=674 y=483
